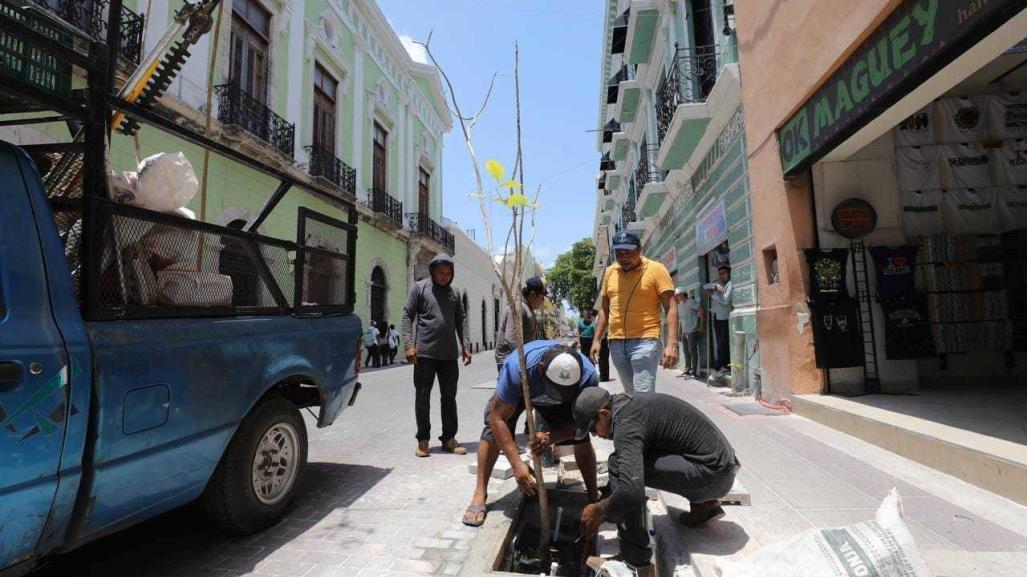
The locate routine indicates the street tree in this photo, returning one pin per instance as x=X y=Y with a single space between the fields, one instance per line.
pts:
x=571 y=279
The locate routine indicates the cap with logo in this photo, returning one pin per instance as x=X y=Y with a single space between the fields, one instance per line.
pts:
x=585 y=408
x=626 y=240
x=562 y=368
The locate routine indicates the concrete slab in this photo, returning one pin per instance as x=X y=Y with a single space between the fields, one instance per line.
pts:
x=503 y=469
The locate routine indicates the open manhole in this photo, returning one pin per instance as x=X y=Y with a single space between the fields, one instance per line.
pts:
x=521 y=551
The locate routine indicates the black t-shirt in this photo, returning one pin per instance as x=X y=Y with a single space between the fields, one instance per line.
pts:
x=907 y=328
x=836 y=333
x=895 y=267
x=827 y=270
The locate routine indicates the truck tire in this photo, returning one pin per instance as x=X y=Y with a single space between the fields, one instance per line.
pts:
x=260 y=470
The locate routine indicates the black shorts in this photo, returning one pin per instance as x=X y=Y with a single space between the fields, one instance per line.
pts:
x=546 y=419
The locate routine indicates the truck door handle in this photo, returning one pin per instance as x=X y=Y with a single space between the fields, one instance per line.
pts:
x=10 y=375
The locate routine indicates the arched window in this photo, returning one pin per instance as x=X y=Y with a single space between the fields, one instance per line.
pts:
x=379 y=287
x=484 y=331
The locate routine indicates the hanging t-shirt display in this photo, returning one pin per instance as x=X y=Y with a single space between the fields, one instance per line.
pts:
x=917 y=130
x=1010 y=162
x=962 y=119
x=918 y=167
x=1007 y=115
x=967 y=165
x=895 y=266
x=971 y=211
x=907 y=329
x=836 y=334
x=1011 y=203
x=921 y=212
x=827 y=272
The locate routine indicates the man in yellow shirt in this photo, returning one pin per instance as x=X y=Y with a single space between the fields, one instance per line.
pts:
x=632 y=293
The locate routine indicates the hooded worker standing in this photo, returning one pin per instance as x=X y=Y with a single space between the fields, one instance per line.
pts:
x=436 y=332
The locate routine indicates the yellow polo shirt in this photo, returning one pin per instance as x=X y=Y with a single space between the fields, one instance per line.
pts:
x=635 y=299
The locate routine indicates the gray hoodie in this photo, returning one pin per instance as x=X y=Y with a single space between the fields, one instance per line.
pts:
x=433 y=317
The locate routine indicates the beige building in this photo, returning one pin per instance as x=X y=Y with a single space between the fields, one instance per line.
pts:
x=885 y=144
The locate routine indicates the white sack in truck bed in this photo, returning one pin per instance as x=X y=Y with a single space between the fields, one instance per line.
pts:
x=880 y=548
x=164 y=182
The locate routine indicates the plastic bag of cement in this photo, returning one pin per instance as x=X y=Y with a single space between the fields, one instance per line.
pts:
x=880 y=548
x=166 y=182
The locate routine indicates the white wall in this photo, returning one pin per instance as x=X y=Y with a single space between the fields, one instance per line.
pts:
x=475 y=277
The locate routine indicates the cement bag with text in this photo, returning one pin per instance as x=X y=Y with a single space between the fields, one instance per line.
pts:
x=880 y=548
x=166 y=182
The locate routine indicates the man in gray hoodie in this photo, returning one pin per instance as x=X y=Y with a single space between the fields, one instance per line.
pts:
x=434 y=322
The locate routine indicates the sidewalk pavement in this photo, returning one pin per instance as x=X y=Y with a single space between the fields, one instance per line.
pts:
x=801 y=475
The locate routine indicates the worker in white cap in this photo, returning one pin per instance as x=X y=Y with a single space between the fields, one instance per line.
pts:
x=557 y=373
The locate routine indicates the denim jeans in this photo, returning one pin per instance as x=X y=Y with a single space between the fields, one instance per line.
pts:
x=636 y=361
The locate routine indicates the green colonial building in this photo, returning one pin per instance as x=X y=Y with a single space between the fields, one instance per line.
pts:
x=673 y=165
x=322 y=89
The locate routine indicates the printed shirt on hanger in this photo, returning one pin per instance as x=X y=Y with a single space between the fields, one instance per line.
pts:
x=1011 y=204
x=972 y=211
x=917 y=130
x=1007 y=114
x=1011 y=162
x=918 y=167
x=967 y=165
x=827 y=272
x=921 y=212
x=962 y=119
x=894 y=267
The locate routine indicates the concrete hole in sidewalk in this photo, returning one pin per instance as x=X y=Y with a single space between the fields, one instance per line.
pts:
x=520 y=551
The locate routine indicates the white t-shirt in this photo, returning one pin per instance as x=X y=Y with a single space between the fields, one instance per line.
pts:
x=1010 y=162
x=1007 y=115
x=1011 y=202
x=971 y=211
x=962 y=119
x=921 y=212
x=917 y=130
x=688 y=312
x=967 y=165
x=393 y=337
x=918 y=167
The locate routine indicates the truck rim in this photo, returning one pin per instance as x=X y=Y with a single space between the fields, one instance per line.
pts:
x=275 y=463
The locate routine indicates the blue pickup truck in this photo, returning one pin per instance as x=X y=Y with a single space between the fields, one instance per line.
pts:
x=106 y=423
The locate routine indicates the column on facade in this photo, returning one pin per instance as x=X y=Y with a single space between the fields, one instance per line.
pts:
x=294 y=90
x=401 y=135
x=359 y=97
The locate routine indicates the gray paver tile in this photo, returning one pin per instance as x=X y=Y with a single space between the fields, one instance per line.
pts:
x=367 y=562
x=828 y=494
x=323 y=558
x=414 y=566
x=962 y=527
x=431 y=543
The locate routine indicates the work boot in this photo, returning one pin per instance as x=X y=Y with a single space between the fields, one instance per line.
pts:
x=422 y=449
x=451 y=446
x=702 y=513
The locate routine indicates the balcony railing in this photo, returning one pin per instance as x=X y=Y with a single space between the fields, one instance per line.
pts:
x=627 y=215
x=690 y=79
x=90 y=18
x=384 y=204
x=646 y=170
x=420 y=223
x=325 y=164
x=243 y=110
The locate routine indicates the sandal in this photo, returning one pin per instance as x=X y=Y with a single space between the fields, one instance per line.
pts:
x=471 y=515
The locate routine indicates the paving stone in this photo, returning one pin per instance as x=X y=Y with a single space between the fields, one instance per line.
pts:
x=431 y=543
x=414 y=566
x=824 y=495
x=322 y=558
x=451 y=569
x=503 y=469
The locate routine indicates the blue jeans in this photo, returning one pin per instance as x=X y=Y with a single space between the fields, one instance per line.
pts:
x=636 y=361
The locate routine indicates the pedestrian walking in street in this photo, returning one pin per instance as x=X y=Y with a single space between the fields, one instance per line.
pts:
x=371 y=344
x=393 y=340
x=661 y=442
x=383 y=345
x=720 y=309
x=533 y=295
x=632 y=293
x=586 y=331
x=557 y=374
x=436 y=334
x=692 y=317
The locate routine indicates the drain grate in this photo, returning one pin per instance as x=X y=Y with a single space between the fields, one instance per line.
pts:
x=746 y=409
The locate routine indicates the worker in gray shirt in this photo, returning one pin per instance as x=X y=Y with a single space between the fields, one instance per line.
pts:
x=436 y=332
x=533 y=296
x=659 y=441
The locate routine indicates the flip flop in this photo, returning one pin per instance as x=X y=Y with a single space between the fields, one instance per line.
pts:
x=471 y=515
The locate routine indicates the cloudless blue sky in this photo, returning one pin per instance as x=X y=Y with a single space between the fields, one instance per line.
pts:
x=560 y=58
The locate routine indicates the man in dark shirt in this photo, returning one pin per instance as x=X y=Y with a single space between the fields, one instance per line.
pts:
x=659 y=441
x=534 y=295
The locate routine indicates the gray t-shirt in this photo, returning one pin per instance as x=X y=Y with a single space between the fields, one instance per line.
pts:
x=506 y=342
x=688 y=312
x=434 y=320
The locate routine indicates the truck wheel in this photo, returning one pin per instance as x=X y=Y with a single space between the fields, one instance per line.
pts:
x=260 y=470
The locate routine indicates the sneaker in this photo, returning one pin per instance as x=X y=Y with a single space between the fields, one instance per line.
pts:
x=451 y=446
x=422 y=449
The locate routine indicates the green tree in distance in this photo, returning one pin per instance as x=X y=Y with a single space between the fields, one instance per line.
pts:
x=570 y=279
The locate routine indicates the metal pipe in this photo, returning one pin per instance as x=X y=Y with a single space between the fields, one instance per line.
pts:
x=559 y=517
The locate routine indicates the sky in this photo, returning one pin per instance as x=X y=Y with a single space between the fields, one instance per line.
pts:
x=559 y=76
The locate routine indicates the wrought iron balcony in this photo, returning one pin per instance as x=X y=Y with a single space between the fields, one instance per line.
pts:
x=237 y=107
x=646 y=170
x=325 y=164
x=627 y=214
x=384 y=204
x=422 y=224
x=690 y=79
x=90 y=18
